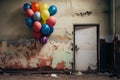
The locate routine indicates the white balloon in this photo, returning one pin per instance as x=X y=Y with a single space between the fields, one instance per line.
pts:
x=37 y=16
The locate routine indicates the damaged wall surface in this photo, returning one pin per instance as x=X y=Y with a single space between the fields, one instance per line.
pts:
x=30 y=54
x=19 y=50
x=117 y=17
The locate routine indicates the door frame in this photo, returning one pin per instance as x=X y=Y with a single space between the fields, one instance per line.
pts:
x=98 y=42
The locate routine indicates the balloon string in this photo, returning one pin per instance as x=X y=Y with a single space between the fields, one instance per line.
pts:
x=38 y=44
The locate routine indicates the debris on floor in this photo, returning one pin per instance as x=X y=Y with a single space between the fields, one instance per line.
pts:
x=47 y=75
x=79 y=73
x=54 y=75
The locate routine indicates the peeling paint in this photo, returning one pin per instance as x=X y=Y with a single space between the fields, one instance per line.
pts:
x=55 y=54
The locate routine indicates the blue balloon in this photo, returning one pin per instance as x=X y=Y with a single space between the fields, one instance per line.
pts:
x=52 y=10
x=26 y=6
x=51 y=29
x=45 y=29
x=29 y=22
x=36 y=16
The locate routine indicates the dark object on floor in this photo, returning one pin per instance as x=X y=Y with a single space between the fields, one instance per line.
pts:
x=1 y=71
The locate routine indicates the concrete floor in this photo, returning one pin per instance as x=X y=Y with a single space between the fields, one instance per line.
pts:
x=59 y=77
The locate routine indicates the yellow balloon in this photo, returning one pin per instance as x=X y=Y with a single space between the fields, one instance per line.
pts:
x=45 y=15
x=44 y=6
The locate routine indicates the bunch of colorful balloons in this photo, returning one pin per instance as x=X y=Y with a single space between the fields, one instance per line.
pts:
x=40 y=18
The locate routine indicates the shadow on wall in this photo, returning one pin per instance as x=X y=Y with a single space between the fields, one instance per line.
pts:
x=14 y=27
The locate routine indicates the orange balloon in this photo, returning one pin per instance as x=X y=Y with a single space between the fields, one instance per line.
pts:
x=35 y=6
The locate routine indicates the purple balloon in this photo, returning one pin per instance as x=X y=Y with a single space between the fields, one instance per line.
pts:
x=43 y=40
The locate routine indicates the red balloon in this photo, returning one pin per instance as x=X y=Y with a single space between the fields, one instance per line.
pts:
x=35 y=6
x=51 y=21
x=29 y=12
x=37 y=35
x=37 y=26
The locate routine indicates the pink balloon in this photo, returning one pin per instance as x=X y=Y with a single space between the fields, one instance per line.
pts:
x=37 y=26
x=51 y=21
x=37 y=35
x=29 y=12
